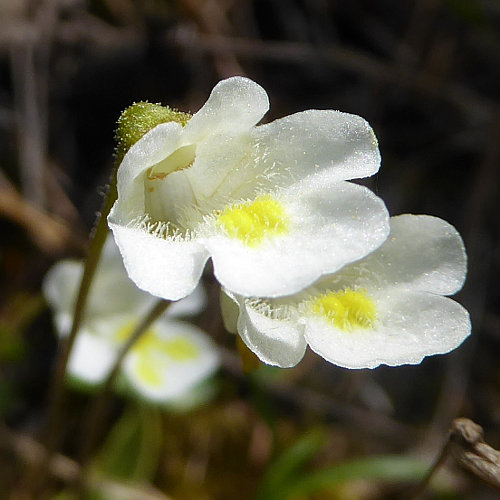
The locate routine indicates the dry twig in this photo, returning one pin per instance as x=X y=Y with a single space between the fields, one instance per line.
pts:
x=476 y=106
x=51 y=235
x=467 y=446
x=469 y=449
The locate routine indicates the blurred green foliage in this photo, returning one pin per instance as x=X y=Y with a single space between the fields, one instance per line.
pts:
x=133 y=447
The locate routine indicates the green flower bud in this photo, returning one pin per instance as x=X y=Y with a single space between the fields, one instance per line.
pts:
x=140 y=118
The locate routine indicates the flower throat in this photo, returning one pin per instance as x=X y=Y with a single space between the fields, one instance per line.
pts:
x=346 y=309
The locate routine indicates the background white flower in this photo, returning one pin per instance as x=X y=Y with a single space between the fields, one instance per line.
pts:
x=388 y=308
x=169 y=359
x=255 y=199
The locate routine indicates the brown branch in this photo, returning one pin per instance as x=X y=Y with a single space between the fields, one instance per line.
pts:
x=366 y=65
x=89 y=29
x=51 y=235
x=211 y=18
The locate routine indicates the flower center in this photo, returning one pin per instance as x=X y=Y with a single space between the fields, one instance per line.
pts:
x=346 y=309
x=252 y=222
x=179 y=160
x=177 y=348
x=151 y=351
x=149 y=373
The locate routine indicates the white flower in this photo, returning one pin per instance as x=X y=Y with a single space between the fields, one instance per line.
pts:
x=168 y=360
x=386 y=309
x=258 y=200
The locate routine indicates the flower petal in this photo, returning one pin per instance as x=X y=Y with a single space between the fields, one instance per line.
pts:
x=276 y=342
x=92 y=358
x=167 y=268
x=60 y=287
x=423 y=253
x=221 y=165
x=331 y=225
x=112 y=292
x=329 y=145
x=154 y=147
x=230 y=311
x=159 y=377
x=235 y=105
x=410 y=326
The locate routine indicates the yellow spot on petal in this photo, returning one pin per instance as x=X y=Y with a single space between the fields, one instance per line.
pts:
x=346 y=309
x=150 y=343
x=126 y=331
x=147 y=366
x=252 y=222
x=148 y=372
x=180 y=349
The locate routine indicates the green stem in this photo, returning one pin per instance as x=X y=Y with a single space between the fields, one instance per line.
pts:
x=51 y=433
x=97 y=410
x=56 y=393
x=133 y=123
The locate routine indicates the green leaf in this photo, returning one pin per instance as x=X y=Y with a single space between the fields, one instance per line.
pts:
x=285 y=469
x=132 y=450
x=12 y=345
x=388 y=468
x=258 y=381
x=7 y=396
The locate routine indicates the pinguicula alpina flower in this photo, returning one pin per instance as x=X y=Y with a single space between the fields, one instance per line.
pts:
x=389 y=308
x=269 y=203
x=168 y=360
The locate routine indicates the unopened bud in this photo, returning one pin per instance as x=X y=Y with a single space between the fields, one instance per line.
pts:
x=140 y=118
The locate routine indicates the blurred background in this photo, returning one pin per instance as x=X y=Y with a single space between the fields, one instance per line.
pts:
x=424 y=73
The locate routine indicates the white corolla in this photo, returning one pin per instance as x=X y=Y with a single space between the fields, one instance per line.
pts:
x=168 y=360
x=269 y=203
x=389 y=308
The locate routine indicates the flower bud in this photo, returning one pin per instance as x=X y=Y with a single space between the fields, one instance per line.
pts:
x=140 y=118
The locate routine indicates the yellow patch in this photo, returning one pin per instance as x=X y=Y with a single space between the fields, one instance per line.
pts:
x=148 y=372
x=252 y=222
x=346 y=309
x=180 y=349
x=176 y=348
x=149 y=365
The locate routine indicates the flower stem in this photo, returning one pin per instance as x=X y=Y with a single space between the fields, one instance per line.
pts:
x=98 y=407
x=51 y=434
x=133 y=123
x=56 y=393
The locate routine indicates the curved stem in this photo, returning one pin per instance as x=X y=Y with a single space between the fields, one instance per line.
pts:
x=51 y=435
x=56 y=393
x=97 y=410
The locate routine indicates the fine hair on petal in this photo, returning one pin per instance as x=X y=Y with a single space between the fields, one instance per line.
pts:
x=159 y=229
